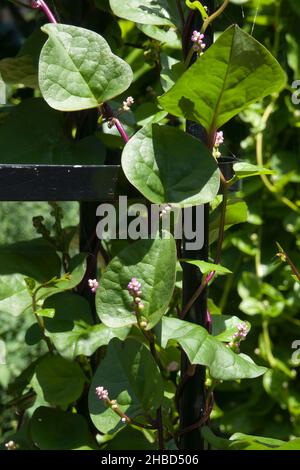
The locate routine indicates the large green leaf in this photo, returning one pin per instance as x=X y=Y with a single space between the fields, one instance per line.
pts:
x=131 y=376
x=53 y=429
x=71 y=329
x=202 y=348
x=57 y=380
x=153 y=263
x=156 y=12
x=19 y=70
x=231 y=74
x=157 y=163
x=42 y=138
x=35 y=258
x=77 y=69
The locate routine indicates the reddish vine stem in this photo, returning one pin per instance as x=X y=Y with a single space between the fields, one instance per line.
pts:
x=41 y=5
x=108 y=113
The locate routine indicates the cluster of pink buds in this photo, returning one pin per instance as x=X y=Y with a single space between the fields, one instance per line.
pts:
x=102 y=394
x=127 y=103
x=134 y=289
x=93 y=284
x=197 y=39
x=219 y=139
x=239 y=336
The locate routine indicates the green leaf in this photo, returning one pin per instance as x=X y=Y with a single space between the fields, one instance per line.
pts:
x=42 y=138
x=230 y=75
x=25 y=258
x=53 y=429
x=245 y=170
x=236 y=213
x=156 y=162
x=14 y=296
x=156 y=12
x=131 y=376
x=2 y=352
x=68 y=281
x=71 y=329
x=239 y=441
x=46 y=312
x=153 y=263
x=224 y=327
x=130 y=439
x=202 y=348
x=206 y=267
x=77 y=69
x=19 y=70
x=58 y=381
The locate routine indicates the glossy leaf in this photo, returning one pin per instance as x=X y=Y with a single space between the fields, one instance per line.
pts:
x=77 y=69
x=42 y=138
x=224 y=327
x=155 y=161
x=58 y=381
x=155 y=12
x=53 y=429
x=153 y=263
x=131 y=376
x=202 y=348
x=246 y=170
x=206 y=267
x=71 y=329
x=230 y=75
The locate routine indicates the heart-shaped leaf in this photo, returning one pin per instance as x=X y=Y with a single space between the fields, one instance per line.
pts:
x=53 y=429
x=153 y=263
x=71 y=329
x=202 y=348
x=131 y=376
x=77 y=69
x=233 y=73
x=156 y=162
x=58 y=381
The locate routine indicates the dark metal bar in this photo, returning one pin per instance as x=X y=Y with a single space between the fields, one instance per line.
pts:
x=58 y=182
x=192 y=398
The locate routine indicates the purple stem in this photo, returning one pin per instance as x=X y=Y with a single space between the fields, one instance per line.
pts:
x=41 y=5
x=208 y=321
x=121 y=130
x=210 y=276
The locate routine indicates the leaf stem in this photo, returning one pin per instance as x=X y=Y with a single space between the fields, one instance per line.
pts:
x=108 y=113
x=42 y=5
x=41 y=323
x=215 y=15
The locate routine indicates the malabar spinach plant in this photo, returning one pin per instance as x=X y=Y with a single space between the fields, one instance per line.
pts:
x=138 y=72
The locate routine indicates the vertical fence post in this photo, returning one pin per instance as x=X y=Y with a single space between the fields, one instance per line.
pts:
x=192 y=397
